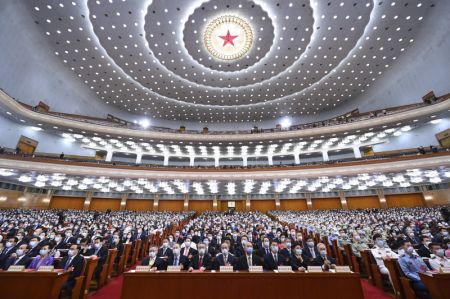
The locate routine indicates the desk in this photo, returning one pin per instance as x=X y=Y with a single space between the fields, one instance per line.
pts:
x=438 y=284
x=170 y=285
x=27 y=285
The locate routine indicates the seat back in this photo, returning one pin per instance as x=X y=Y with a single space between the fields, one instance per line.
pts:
x=336 y=252
x=77 y=288
x=91 y=264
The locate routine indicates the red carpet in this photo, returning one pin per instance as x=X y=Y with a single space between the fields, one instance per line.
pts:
x=114 y=289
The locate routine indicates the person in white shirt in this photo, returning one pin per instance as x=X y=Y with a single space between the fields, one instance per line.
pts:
x=381 y=252
x=438 y=259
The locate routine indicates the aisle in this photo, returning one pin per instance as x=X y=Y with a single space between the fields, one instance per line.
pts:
x=114 y=288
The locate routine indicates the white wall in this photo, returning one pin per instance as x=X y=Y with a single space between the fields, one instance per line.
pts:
x=422 y=136
x=48 y=143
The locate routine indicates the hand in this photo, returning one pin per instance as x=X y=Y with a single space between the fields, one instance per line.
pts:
x=190 y=269
x=301 y=269
x=202 y=268
x=153 y=269
x=165 y=258
x=70 y=269
x=14 y=255
x=94 y=257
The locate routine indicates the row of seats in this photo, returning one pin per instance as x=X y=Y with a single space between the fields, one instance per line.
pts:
x=111 y=242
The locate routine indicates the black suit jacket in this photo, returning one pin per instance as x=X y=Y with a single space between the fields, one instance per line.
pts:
x=24 y=261
x=5 y=254
x=307 y=254
x=297 y=263
x=287 y=254
x=242 y=263
x=77 y=264
x=207 y=262
x=183 y=261
x=219 y=261
x=423 y=251
x=270 y=264
x=319 y=260
x=192 y=251
x=102 y=254
x=34 y=251
x=167 y=253
x=159 y=263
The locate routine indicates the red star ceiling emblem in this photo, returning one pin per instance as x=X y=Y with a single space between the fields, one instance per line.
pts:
x=228 y=39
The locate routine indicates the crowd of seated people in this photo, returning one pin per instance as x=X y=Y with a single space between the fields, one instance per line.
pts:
x=35 y=238
x=417 y=237
x=238 y=240
x=235 y=239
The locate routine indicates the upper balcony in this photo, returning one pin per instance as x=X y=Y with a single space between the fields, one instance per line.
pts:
x=113 y=127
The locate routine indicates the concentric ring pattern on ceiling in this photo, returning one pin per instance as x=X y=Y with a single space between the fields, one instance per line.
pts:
x=149 y=57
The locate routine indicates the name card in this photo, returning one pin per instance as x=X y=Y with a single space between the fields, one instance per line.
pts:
x=46 y=269
x=16 y=268
x=343 y=269
x=445 y=269
x=255 y=269
x=226 y=268
x=285 y=269
x=315 y=269
x=173 y=268
x=142 y=268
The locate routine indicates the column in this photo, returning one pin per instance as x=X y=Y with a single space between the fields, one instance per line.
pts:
x=216 y=161
x=109 y=155
x=138 y=158
x=191 y=161
x=297 y=158
x=343 y=200
x=87 y=201
x=166 y=160
x=244 y=161
x=277 y=201
x=357 y=152
x=381 y=198
x=215 y=203
x=427 y=196
x=123 y=201
x=49 y=197
x=156 y=202
x=325 y=155
x=186 y=202
x=308 y=201
x=270 y=160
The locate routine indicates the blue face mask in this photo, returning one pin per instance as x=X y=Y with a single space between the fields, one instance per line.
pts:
x=250 y=250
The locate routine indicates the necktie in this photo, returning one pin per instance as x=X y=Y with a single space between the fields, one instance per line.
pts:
x=249 y=260
x=313 y=253
x=267 y=251
x=200 y=262
x=225 y=259
x=175 y=262
x=66 y=266
x=275 y=258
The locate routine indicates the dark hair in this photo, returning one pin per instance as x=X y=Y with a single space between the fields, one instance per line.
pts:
x=376 y=236
x=423 y=238
x=99 y=238
x=403 y=242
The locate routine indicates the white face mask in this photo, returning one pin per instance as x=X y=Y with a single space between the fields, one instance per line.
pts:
x=57 y=239
x=176 y=251
x=33 y=243
x=43 y=251
x=70 y=253
x=225 y=250
x=201 y=251
x=152 y=254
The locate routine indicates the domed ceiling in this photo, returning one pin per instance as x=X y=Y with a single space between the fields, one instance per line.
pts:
x=228 y=60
